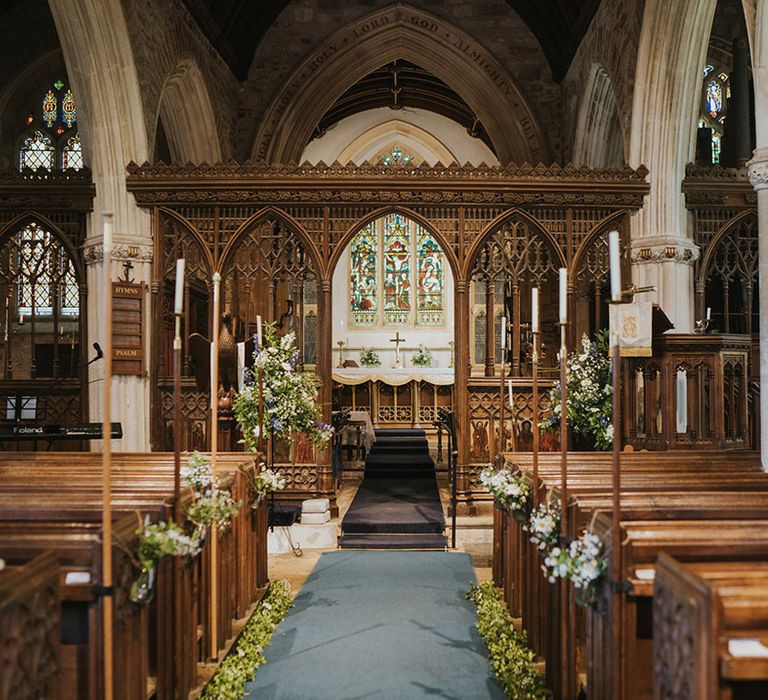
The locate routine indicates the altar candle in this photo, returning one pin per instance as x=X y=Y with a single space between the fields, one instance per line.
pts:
x=509 y=387
x=21 y=319
x=613 y=251
x=107 y=242
x=535 y=310
x=563 y=295
x=709 y=313
x=258 y=330
x=178 y=305
x=503 y=332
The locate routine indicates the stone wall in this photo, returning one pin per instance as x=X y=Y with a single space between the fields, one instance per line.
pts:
x=305 y=24
x=162 y=35
x=611 y=41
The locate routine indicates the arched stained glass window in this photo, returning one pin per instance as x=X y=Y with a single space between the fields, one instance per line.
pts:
x=37 y=152
x=402 y=286
x=72 y=154
x=714 y=98
x=363 y=283
x=45 y=275
x=51 y=139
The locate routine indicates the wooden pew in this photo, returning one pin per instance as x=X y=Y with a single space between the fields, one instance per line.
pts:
x=30 y=620
x=697 y=610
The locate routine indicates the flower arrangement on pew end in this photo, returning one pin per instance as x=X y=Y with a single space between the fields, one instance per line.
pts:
x=590 y=394
x=422 y=357
x=581 y=561
x=508 y=490
x=512 y=660
x=290 y=395
x=264 y=483
x=211 y=505
x=369 y=358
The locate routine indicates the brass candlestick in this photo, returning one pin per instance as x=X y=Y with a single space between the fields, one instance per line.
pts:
x=341 y=344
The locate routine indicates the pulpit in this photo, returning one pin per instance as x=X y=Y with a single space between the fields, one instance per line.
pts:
x=692 y=394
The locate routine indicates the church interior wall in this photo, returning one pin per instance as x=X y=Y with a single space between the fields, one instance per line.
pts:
x=304 y=25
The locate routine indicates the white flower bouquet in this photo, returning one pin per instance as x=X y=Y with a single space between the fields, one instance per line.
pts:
x=422 y=357
x=582 y=562
x=369 y=358
x=264 y=483
x=544 y=526
x=508 y=490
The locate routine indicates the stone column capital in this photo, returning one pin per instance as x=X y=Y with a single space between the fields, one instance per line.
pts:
x=758 y=169
x=138 y=250
x=661 y=249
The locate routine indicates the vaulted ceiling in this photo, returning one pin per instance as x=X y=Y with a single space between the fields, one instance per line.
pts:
x=235 y=27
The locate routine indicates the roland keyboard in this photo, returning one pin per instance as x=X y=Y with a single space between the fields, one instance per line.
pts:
x=55 y=431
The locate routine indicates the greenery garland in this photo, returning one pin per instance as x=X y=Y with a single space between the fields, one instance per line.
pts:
x=247 y=654
x=512 y=660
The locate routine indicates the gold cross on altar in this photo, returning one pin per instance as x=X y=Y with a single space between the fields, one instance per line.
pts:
x=397 y=340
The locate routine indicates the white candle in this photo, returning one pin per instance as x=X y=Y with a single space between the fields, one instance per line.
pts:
x=511 y=402
x=709 y=313
x=178 y=306
x=615 y=260
x=21 y=319
x=107 y=242
x=563 y=295
x=535 y=309
x=258 y=330
x=503 y=332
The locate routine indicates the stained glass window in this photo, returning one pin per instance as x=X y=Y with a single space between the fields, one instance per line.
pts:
x=46 y=274
x=397 y=271
x=714 y=98
x=430 y=280
x=708 y=69
x=397 y=157
x=409 y=272
x=37 y=152
x=52 y=124
x=362 y=278
x=72 y=154
x=715 y=147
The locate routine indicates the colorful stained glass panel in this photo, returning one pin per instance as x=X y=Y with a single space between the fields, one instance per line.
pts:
x=714 y=98
x=68 y=111
x=397 y=271
x=49 y=108
x=72 y=154
x=37 y=152
x=363 y=277
x=429 y=283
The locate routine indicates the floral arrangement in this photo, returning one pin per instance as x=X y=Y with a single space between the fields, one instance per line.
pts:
x=160 y=539
x=590 y=394
x=369 y=358
x=544 y=526
x=422 y=357
x=508 y=490
x=265 y=482
x=212 y=504
x=582 y=562
x=290 y=396
x=511 y=658
x=248 y=654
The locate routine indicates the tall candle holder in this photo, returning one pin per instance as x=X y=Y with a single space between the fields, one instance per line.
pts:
x=341 y=344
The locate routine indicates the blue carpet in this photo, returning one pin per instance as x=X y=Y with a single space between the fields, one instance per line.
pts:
x=380 y=625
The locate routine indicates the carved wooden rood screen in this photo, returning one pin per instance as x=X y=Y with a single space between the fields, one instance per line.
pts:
x=276 y=233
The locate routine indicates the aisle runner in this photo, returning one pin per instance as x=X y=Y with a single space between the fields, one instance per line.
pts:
x=380 y=625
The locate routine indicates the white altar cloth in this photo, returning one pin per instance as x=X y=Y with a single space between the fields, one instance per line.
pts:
x=393 y=377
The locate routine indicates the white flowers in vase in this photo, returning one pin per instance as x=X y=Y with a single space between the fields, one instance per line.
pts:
x=422 y=357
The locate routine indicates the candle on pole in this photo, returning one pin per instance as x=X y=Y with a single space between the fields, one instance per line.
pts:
x=563 y=275
x=106 y=523
x=178 y=310
x=709 y=313
x=502 y=427
x=563 y=313
x=503 y=332
x=214 y=597
x=258 y=331
x=615 y=260
x=261 y=385
x=535 y=398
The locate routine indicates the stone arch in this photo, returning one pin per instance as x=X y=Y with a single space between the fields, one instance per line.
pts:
x=599 y=141
x=352 y=231
x=507 y=217
x=401 y=32
x=187 y=116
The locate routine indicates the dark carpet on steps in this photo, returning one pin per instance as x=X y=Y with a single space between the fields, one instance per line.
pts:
x=381 y=625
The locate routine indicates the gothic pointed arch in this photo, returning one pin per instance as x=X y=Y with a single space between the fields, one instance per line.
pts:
x=401 y=32
x=187 y=116
x=599 y=140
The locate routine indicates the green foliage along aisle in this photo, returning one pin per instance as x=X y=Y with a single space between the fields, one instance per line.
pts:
x=512 y=660
x=247 y=654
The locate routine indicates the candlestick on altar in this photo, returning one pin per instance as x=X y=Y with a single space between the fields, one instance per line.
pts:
x=214 y=597
x=535 y=398
x=106 y=463
x=341 y=345
x=178 y=309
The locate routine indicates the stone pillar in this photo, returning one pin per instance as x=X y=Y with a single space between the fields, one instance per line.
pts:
x=758 y=176
x=739 y=116
x=667 y=264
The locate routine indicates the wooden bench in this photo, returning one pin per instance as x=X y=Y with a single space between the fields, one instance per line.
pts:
x=698 y=610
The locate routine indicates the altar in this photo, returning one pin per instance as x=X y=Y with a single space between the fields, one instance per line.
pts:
x=405 y=397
